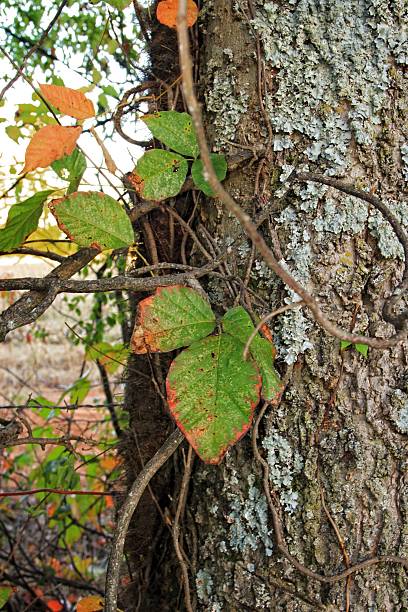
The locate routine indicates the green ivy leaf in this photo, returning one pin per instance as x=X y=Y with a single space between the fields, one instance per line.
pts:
x=71 y=168
x=175 y=130
x=70 y=536
x=163 y=174
x=212 y=393
x=111 y=356
x=197 y=172
x=362 y=348
x=238 y=323
x=22 y=220
x=344 y=344
x=77 y=392
x=5 y=594
x=93 y=219
x=171 y=318
x=13 y=132
x=118 y=4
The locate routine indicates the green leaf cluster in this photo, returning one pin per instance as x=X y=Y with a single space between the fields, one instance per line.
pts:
x=360 y=348
x=211 y=389
x=163 y=173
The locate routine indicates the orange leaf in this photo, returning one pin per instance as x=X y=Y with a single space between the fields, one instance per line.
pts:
x=68 y=101
x=49 y=144
x=109 y=501
x=109 y=463
x=54 y=605
x=167 y=13
x=94 y=603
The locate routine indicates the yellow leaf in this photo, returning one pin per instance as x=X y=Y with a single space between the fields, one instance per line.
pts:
x=94 y=603
x=49 y=144
x=42 y=239
x=68 y=101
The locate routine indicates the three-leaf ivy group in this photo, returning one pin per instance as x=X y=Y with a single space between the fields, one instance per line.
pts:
x=212 y=390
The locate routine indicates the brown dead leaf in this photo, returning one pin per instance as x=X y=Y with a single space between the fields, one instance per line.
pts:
x=68 y=101
x=49 y=144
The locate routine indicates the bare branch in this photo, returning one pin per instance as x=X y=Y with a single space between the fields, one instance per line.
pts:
x=58 y=491
x=123 y=283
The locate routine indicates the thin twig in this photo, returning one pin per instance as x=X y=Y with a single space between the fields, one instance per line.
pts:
x=34 y=48
x=126 y=512
x=244 y=219
x=63 y=441
x=176 y=528
x=114 y=283
x=396 y=321
x=265 y=319
x=58 y=491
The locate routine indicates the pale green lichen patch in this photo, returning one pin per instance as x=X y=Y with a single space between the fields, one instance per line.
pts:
x=399 y=410
x=204 y=585
x=285 y=463
x=334 y=61
x=404 y=157
x=224 y=101
x=248 y=518
x=380 y=228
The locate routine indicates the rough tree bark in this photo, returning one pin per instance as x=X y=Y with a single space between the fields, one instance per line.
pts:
x=333 y=83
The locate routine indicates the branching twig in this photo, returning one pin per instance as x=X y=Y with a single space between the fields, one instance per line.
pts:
x=34 y=48
x=267 y=318
x=58 y=491
x=137 y=489
x=176 y=528
x=123 y=283
x=244 y=219
x=63 y=441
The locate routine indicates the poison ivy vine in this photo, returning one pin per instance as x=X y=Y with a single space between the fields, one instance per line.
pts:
x=212 y=390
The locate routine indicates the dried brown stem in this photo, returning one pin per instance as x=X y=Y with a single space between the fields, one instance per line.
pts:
x=176 y=528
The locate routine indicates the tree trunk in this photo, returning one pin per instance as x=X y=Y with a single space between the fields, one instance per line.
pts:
x=321 y=85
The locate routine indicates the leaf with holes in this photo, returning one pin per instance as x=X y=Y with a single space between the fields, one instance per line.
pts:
x=167 y=10
x=212 y=393
x=197 y=172
x=22 y=220
x=172 y=317
x=68 y=101
x=163 y=174
x=238 y=324
x=93 y=219
x=175 y=130
x=71 y=168
x=49 y=144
